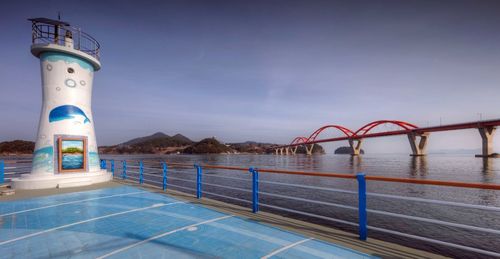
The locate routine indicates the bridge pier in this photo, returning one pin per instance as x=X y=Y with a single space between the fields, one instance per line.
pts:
x=309 y=149
x=294 y=150
x=287 y=150
x=356 y=147
x=487 y=134
x=418 y=149
x=281 y=151
x=276 y=150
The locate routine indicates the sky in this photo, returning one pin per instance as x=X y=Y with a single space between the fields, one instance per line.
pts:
x=267 y=71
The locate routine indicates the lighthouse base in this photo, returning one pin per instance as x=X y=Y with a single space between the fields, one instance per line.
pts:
x=48 y=181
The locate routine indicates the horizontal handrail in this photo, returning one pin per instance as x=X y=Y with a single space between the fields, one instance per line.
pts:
x=17 y=172
x=180 y=165
x=17 y=161
x=152 y=168
x=228 y=187
x=227 y=197
x=436 y=221
x=17 y=167
x=181 y=172
x=182 y=187
x=180 y=179
x=311 y=201
x=155 y=175
x=310 y=187
x=435 y=182
x=224 y=167
x=439 y=242
x=368 y=178
x=229 y=177
x=309 y=214
x=432 y=201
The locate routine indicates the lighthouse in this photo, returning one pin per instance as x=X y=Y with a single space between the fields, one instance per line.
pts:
x=66 y=153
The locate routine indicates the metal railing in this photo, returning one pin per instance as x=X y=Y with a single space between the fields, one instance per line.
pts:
x=10 y=169
x=162 y=174
x=244 y=188
x=58 y=34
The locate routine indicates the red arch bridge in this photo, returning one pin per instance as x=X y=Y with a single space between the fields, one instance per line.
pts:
x=417 y=136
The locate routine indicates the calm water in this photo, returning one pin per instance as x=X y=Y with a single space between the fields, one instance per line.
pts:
x=439 y=167
x=72 y=161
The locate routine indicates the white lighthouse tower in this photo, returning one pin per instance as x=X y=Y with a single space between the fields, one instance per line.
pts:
x=66 y=149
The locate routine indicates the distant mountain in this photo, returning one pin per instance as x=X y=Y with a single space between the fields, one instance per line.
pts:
x=17 y=147
x=181 y=139
x=208 y=146
x=158 y=143
x=346 y=151
x=252 y=147
x=157 y=135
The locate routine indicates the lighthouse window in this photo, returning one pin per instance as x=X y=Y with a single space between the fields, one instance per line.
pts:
x=70 y=83
x=71 y=70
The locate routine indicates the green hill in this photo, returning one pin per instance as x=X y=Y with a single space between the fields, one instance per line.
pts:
x=208 y=146
x=153 y=144
x=17 y=147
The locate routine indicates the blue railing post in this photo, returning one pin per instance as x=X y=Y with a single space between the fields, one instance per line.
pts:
x=103 y=163
x=255 y=189
x=198 y=181
x=164 y=165
x=113 y=167
x=141 y=172
x=363 y=232
x=2 y=171
x=124 y=172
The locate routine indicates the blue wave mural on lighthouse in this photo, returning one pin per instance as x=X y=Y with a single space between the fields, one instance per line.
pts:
x=68 y=112
x=42 y=159
x=58 y=56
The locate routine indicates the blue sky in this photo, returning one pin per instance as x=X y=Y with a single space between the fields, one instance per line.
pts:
x=267 y=70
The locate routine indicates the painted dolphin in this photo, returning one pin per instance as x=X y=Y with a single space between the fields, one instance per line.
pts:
x=66 y=112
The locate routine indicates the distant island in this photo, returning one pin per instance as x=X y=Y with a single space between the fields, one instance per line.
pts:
x=161 y=143
x=346 y=151
x=17 y=147
x=208 y=146
x=158 y=143
x=317 y=149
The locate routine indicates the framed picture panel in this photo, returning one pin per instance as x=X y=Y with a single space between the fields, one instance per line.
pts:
x=72 y=155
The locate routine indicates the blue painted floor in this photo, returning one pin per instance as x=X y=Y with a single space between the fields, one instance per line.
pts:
x=126 y=222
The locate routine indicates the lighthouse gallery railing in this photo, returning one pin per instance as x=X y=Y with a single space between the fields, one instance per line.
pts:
x=48 y=33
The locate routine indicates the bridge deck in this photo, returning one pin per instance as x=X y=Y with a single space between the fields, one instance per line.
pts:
x=146 y=223
x=418 y=130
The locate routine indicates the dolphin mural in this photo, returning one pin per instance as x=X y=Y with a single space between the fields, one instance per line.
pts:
x=66 y=112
